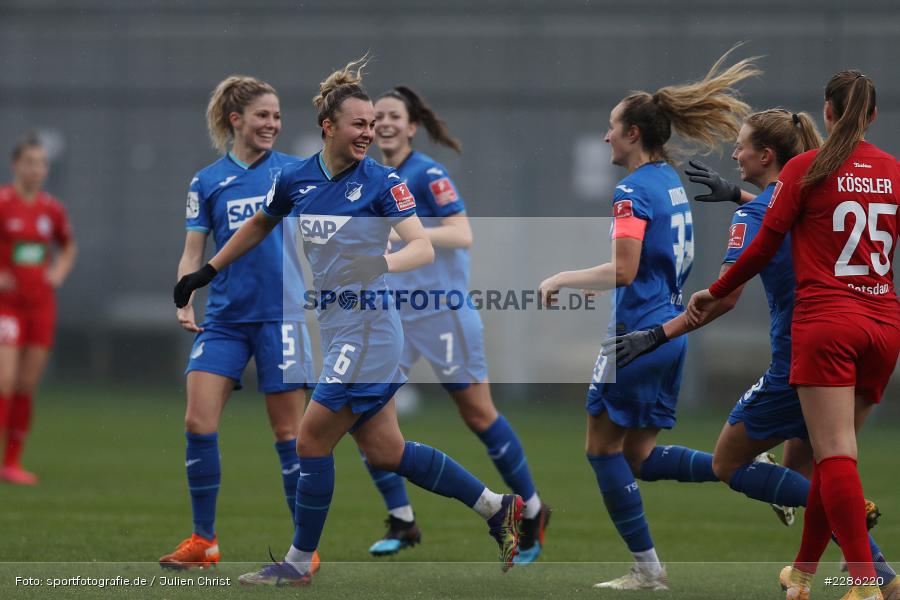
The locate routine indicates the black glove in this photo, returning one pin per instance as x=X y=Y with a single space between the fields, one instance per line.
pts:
x=629 y=347
x=192 y=281
x=720 y=190
x=362 y=268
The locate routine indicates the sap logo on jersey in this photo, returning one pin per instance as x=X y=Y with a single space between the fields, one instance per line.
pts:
x=242 y=209
x=318 y=229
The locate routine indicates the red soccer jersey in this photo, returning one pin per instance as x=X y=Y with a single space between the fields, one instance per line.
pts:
x=843 y=233
x=27 y=230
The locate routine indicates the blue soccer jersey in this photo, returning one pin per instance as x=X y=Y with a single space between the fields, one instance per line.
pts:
x=777 y=278
x=349 y=214
x=653 y=193
x=220 y=198
x=436 y=198
x=338 y=216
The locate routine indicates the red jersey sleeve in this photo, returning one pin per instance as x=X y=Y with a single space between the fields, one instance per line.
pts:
x=62 y=230
x=787 y=201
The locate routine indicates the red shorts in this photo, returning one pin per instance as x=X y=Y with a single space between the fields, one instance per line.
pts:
x=27 y=326
x=841 y=352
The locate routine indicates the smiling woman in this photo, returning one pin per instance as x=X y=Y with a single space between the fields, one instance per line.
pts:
x=245 y=316
x=334 y=191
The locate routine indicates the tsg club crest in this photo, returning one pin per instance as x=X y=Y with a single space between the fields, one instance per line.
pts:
x=354 y=191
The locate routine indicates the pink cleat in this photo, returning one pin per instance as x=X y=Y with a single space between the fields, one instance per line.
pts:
x=16 y=475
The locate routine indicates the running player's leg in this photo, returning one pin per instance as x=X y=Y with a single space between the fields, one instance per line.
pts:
x=284 y=372
x=605 y=447
x=733 y=464
x=10 y=334
x=382 y=442
x=402 y=530
x=206 y=397
x=285 y=410
x=320 y=431
x=836 y=500
x=32 y=361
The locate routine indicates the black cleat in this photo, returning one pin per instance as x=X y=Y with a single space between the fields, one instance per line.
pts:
x=400 y=534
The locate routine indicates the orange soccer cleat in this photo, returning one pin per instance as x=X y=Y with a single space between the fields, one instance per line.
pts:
x=16 y=475
x=193 y=552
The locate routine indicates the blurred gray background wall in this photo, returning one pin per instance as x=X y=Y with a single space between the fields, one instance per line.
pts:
x=118 y=88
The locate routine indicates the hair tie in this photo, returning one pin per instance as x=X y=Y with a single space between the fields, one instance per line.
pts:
x=795 y=118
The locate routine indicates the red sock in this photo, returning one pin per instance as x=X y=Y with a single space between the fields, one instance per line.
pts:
x=842 y=496
x=19 y=423
x=816 y=531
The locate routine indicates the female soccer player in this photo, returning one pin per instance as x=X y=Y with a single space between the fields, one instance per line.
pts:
x=246 y=315
x=31 y=223
x=769 y=412
x=840 y=206
x=451 y=340
x=346 y=204
x=653 y=249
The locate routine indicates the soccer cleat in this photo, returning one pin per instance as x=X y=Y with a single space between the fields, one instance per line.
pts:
x=278 y=574
x=505 y=527
x=192 y=552
x=872 y=514
x=16 y=475
x=863 y=592
x=785 y=514
x=795 y=582
x=531 y=542
x=400 y=534
x=638 y=579
x=891 y=591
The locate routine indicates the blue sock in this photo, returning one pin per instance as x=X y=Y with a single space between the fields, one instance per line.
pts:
x=290 y=469
x=435 y=471
x=391 y=486
x=679 y=463
x=505 y=450
x=623 y=500
x=204 y=474
x=315 y=486
x=771 y=483
x=882 y=568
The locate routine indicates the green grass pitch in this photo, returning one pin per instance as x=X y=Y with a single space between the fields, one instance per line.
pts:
x=113 y=498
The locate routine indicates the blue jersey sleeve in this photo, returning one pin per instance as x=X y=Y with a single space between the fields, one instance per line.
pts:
x=744 y=226
x=278 y=201
x=396 y=202
x=630 y=201
x=197 y=214
x=440 y=193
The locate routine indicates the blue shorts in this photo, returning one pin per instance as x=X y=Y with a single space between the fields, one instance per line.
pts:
x=361 y=366
x=282 y=352
x=452 y=341
x=645 y=392
x=770 y=410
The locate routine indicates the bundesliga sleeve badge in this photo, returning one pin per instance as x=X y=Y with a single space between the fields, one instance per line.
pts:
x=192 y=210
x=736 y=238
x=443 y=191
x=403 y=197
x=622 y=209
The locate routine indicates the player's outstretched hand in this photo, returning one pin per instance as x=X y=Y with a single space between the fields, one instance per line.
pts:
x=699 y=309
x=362 y=268
x=186 y=318
x=192 y=281
x=628 y=347
x=720 y=190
